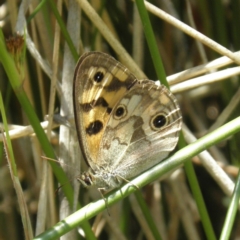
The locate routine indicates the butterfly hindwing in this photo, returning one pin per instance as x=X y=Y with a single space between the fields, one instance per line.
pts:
x=144 y=134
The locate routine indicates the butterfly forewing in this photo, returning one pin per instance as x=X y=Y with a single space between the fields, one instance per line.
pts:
x=99 y=83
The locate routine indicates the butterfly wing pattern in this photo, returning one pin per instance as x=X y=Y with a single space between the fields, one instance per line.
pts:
x=125 y=126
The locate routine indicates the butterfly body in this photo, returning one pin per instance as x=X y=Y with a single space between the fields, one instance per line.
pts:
x=125 y=126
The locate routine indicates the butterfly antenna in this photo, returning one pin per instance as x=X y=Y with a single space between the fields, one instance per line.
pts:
x=57 y=161
x=54 y=160
x=57 y=190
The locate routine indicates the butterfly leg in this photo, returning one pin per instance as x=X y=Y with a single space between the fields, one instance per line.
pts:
x=101 y=190
x=119 y=178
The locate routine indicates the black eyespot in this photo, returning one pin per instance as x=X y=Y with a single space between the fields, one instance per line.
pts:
x=159 y=121
x=120 y=112
x=98 y=77
x=94 y=128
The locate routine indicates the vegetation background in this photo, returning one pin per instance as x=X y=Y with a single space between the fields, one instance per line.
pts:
x=45 y=39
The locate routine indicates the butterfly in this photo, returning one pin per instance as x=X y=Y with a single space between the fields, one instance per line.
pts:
x=124 y=125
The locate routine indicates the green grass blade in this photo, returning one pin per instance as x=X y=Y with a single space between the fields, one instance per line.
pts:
x=232 y=211
x=152 y=174
x=157 y=61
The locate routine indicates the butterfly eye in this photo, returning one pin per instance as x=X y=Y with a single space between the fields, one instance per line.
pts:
x=86 y=179
x=98 y=77
x=158 y=121
x=120 y=112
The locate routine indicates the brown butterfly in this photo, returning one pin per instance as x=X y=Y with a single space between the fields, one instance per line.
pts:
x=124 y=125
